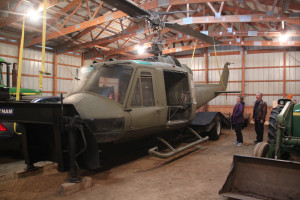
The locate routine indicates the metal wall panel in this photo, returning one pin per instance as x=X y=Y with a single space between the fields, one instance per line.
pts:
x=66 y=68
x=197 y=64
x=292 y=58
x=10 y=50
x=32 y=65
x=265 y=80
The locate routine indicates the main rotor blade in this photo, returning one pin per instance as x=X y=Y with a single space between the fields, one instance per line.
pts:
x=192 y=32
x=127 y=7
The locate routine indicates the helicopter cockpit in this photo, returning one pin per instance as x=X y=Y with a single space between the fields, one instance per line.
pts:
x=110 y=81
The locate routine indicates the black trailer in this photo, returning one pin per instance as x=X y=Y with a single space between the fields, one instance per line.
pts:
x=209 y=124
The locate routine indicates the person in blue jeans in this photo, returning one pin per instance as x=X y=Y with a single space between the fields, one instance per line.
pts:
x=238 y=120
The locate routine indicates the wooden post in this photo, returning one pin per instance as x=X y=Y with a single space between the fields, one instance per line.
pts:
x=284 y=73
x=243 y=72
x=55 y=74
x=82 y=59
x=206 y=64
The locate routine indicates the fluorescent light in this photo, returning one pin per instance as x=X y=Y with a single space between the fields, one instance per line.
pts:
x=140 y=49
x=33 y=15
x=283 y=37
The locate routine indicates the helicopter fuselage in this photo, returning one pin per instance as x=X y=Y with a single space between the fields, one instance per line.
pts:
x=121 y=100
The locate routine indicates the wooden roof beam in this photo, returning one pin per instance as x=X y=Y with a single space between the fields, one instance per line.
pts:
x=9 y=20
x=78 y=27
x=244 y=43
x=240 y=18
x=3 y=2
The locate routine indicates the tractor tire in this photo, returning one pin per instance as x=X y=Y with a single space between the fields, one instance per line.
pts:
x=215 y=132
x=261 y=149
x=272 y=128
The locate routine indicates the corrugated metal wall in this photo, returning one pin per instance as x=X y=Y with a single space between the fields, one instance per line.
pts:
x=263 y=73
x=66 y=68
x=293 y=73
x=10 y=50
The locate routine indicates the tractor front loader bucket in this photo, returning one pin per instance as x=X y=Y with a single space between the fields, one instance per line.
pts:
x=262 y=178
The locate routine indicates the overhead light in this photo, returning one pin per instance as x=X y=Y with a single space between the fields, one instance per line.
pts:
x=283 y=37
x=140 y=49
x=33 y=14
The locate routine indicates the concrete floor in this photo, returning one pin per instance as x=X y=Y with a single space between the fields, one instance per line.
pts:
x=197 y=173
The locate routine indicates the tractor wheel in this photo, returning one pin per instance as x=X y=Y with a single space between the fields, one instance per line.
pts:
x=215 y=132
x=272 y=128
x=261 y=149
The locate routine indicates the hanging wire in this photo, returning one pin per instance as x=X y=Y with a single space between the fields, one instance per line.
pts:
x=65 y=65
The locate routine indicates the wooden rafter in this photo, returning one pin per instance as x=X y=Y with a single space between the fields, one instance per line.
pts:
x=77 y=27
x=97 y=10
x=242 y=18
x=9 y=20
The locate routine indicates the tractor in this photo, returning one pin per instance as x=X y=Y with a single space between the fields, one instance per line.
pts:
x=274 y=170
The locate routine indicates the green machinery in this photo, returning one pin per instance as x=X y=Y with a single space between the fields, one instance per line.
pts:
x=274 y=171
x=283 y=132
x=5 y=90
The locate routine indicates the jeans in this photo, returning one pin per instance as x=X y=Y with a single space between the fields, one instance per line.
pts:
x=238 y=131
x=259 y=129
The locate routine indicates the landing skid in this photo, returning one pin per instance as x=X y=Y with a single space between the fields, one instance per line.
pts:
x=154 y=151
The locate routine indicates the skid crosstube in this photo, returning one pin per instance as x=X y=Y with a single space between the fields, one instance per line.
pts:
x=44 y=128
x=262 y=178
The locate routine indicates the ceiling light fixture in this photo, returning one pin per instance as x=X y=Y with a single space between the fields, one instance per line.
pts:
x=33 y=14
x=283 y=37
x=140 y=49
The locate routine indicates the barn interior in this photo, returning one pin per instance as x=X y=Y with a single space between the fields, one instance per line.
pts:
x=49 y=49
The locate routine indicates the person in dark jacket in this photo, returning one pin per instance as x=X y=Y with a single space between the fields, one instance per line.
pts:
x=259 y=116
x=238 y=120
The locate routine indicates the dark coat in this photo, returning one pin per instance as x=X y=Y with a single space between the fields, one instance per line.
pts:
x=261 y=111
x=238 y=113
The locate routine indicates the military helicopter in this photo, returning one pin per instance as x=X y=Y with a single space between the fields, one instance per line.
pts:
x=112 y=102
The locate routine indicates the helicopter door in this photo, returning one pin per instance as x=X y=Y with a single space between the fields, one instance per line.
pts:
x=178 y=96
x=143 y=112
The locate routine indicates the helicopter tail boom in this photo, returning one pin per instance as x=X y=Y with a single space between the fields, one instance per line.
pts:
x=206 y=92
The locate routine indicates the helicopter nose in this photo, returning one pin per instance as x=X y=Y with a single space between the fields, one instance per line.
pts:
x=90 y=106
x=104 y=118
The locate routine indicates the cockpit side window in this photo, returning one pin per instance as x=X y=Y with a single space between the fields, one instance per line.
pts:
x=147 y=91
x=136 y=99
x=110 y=81
x=143 y=93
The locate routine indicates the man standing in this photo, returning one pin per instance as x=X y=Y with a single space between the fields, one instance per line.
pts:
x=259 y=115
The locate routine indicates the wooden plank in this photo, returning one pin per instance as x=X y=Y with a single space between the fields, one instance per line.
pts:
x=284 y=74
x=78 y=27
x=206 y=64
x=9 y=20
x=55 y=74
x=240 y=18
x=243 y=72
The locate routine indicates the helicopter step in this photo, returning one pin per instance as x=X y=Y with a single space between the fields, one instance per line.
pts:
x=154 y=151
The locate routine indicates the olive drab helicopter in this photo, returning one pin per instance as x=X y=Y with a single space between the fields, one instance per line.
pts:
x=115 y=101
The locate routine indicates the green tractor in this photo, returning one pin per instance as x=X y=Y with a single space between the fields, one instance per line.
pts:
x=283 y=133
x=274 y=171
x=6 y=92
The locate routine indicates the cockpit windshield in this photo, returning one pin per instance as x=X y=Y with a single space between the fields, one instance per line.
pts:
x=81 y=78
x=110 y=81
